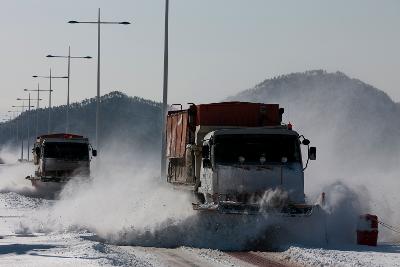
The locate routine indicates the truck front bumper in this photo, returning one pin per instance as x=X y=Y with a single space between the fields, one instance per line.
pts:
x=229 y=207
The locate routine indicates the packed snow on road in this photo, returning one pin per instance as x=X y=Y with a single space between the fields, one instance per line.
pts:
x=137 y=221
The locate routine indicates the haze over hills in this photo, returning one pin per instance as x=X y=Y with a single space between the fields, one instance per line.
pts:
x=349 y=121
x=129 y=120
x=354 y=126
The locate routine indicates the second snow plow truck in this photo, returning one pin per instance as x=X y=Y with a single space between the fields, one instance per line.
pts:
x=59 y=157
x=232 y=154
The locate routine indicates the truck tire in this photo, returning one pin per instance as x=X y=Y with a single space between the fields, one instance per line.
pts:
x=199 y=197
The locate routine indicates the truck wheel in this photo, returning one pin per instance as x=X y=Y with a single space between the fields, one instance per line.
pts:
x=199 y=197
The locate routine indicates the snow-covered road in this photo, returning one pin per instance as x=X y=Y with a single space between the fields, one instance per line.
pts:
x=27 y=238
x=21 y=247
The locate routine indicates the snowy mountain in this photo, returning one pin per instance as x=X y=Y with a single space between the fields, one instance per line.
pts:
x=349 y=121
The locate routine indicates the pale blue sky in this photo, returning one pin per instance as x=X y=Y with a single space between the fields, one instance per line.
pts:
x=217 y=47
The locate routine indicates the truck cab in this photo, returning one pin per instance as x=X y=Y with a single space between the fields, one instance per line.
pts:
x=241 y=164
x=59 y=157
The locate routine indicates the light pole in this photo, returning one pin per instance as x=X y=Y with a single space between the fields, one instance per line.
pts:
x=98 y=22
x=16 y=122
x=10 y=117
x=38 y=90
x=50 y=90
x=10 y=125
x=22 y=127
x=69 y=75
x=3 y=122
x=28 y=121
x=165 y=95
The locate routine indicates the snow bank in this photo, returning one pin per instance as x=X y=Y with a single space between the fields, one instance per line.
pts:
x=384 y=255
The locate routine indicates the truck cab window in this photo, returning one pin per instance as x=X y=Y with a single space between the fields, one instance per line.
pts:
x=69 y=151
x=256 y=149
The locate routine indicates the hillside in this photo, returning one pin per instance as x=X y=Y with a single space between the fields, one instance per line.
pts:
x=130 y=119
x=354 y=125
x=349 y=121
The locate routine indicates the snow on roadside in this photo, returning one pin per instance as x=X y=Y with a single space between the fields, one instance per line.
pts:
x=211 y=255
x=382 y=255
x=68 y=249
x=13 y=200
x=21 y=247
x=29 y=238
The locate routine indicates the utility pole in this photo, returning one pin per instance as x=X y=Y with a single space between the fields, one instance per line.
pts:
x=69 y=76
x=38 y=90
x=28 y=124
x=49 y=121
x=98 y=22
x=15 y=118
x=50 y=77
x=22 y=127
x=165 y=96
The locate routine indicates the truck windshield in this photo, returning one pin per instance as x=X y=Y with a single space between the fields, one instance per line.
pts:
x=256 y=149
x=69 y=151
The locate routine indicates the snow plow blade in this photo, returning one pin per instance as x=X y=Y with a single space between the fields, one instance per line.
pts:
x=227 y=207
x=47 y=179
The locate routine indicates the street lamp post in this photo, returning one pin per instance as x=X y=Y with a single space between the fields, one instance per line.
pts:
x=16 y=122
x=50 y=90
x=11 y=128
x=28 y=121
x=22 y=127
x=23 y=106
x=38 y=90
x=165 y=95
x=69 y=75
x=5 y=120
x=98 y=22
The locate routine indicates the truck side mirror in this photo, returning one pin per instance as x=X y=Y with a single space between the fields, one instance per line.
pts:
x=312 y=153
x=94 y=153
x=306 y=142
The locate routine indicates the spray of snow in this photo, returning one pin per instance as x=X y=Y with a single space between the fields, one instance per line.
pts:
x=355 y=128
x=125 y=202
x=343 y=206
x=13 y=173
x=273 y=199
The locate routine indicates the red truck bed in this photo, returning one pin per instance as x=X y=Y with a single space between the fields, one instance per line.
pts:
x=181 y=123
x=242 y=114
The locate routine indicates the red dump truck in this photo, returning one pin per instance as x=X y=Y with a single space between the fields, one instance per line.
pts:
x=231 y=154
